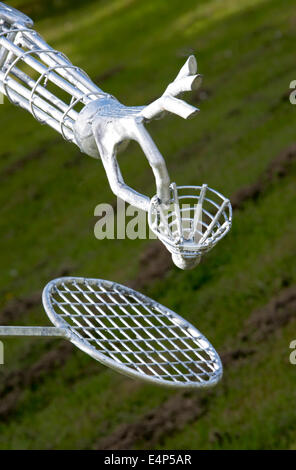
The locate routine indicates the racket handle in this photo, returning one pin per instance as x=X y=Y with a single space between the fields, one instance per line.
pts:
x=33 y=331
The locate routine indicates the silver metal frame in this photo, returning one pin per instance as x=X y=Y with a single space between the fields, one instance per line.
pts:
x=104 y=125
x=127 y=332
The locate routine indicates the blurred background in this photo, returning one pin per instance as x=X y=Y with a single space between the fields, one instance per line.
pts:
x=242 y=296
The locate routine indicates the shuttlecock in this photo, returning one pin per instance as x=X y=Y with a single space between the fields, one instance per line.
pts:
x=193 y=222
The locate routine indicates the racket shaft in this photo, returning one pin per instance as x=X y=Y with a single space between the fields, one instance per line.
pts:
x=32 y=331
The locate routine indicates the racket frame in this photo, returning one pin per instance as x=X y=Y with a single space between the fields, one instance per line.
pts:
x=62 y=329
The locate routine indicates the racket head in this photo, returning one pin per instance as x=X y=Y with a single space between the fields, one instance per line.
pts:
x=131 y=333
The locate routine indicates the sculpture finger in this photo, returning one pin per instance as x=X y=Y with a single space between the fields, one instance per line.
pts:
x=189 y=68
x=108 y=138
x=186 y=80
x=170 y=104
x=155 y=159
x=189 y=83
x=179 y=107
x=122 y=190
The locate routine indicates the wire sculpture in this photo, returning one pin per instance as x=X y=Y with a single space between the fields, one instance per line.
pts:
x=114 y=324
x=44 y=82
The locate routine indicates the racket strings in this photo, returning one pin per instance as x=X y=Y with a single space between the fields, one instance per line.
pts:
x=134 y=332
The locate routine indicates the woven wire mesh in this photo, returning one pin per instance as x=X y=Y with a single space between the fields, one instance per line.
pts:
x=132 y=333
x=196 y=218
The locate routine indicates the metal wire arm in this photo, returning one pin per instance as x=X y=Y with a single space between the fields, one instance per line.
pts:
x=44 y=82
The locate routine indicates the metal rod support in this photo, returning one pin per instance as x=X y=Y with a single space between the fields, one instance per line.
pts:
x=33 y=331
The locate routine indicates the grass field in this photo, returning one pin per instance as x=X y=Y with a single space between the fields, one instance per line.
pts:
x=243 y=295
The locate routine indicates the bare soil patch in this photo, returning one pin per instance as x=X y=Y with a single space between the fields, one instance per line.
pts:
x=277 y=168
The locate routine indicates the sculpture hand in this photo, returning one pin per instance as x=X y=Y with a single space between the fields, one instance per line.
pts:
x=113 y=124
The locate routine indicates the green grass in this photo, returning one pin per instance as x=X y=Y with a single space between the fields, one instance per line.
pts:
x=245 y=51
